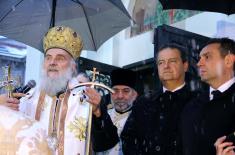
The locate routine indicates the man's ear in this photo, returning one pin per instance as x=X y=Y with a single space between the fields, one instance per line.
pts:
x=229 y=60
x=185 y=66
x=135 y=94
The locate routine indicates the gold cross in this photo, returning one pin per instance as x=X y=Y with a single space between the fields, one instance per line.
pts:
x=94 y=73
x=8 y=83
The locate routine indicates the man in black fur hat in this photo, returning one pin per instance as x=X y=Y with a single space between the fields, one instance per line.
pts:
x=108 y=124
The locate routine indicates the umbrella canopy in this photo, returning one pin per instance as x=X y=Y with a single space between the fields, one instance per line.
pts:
x=95 y=20
x=221 y=6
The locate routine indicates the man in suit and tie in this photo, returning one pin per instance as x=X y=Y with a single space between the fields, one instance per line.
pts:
x=153 y=126
x=212 y=114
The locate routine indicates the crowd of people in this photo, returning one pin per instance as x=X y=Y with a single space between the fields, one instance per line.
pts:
x=174 y=120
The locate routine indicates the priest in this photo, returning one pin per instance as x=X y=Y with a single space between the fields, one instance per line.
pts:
x=59 y=109
x=108 y=124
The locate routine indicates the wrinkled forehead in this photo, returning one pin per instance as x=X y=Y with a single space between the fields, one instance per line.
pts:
x=168 y=53
x=58 y=52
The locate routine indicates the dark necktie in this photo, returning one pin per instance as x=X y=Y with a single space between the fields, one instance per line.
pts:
x=216 y=93
x=168 y=94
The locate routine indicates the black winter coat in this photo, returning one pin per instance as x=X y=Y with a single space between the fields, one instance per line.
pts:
x=153 y=128
x=204 y=121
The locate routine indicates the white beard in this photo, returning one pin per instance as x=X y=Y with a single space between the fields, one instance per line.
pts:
x=52 y=86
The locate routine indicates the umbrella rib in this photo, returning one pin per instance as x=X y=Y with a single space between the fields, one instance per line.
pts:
x=88 y=23
x=10 y=10
x=52 y=23
x=126 y=12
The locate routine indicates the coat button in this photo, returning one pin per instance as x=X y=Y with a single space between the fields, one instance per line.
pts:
x=158 y=148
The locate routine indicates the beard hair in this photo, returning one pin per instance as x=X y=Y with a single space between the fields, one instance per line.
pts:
x=128 y=104
x=52 y=86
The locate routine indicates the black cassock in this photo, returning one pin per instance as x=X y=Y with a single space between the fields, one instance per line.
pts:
x=104 y=134
x=153 y=128
x=204 y=121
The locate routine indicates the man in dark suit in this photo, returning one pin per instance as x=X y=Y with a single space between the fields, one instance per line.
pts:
x=153 y=126
x=212 y=114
